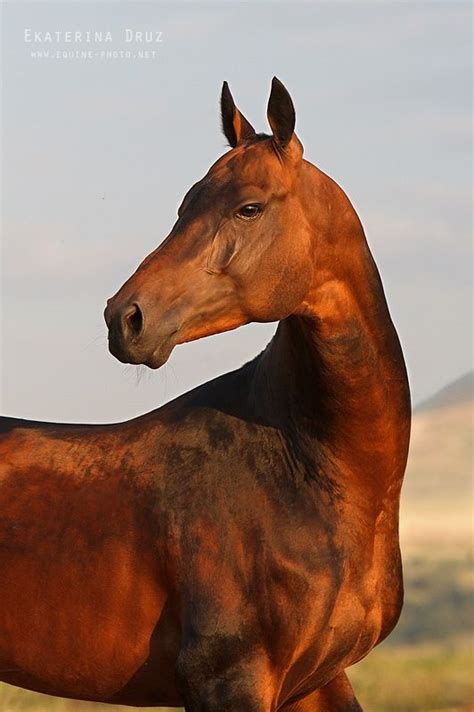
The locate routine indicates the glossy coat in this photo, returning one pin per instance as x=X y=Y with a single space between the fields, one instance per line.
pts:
x=236 y=549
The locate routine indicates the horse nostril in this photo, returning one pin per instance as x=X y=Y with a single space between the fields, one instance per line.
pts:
x=133 y=321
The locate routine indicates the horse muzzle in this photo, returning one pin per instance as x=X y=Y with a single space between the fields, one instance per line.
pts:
x=131 y=340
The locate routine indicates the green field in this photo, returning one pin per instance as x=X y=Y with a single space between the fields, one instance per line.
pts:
x=416 y=678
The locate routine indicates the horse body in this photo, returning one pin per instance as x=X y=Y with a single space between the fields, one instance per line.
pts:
x=237 y=548
x=145 y=528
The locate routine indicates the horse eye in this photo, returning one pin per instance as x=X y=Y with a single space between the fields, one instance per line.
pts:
x=249 y=211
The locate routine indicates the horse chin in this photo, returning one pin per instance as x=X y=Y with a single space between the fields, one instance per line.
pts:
x=160 y=355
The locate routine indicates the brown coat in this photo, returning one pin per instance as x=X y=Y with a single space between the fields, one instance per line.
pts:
x=236 y=549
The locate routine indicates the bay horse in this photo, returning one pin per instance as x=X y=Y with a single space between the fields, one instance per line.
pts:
x=236 y=549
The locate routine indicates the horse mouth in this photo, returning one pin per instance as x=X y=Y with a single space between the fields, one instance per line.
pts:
x=138 y=356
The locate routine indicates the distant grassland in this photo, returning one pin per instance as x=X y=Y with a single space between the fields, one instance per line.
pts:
x=416 y=678
x=439 y=603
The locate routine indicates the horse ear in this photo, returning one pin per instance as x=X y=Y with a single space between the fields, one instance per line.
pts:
x=281 y=114
x=234 y=124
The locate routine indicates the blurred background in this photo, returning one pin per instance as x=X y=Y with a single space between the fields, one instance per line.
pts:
x=98 y=149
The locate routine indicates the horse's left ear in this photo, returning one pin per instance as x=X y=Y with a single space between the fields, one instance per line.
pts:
x=234 y=124
x=281 y=114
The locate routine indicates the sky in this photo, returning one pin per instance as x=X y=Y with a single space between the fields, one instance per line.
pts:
x=98 y=152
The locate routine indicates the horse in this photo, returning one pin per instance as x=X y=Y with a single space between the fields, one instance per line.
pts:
x=236 y=549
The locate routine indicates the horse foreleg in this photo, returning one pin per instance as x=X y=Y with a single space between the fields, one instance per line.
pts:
x=208 y=685
x=336 y=696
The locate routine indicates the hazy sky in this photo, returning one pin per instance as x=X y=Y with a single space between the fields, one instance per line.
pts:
x=97 y=154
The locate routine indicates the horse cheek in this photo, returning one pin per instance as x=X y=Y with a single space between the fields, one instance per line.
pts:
x=278 y=290
x=223 y=249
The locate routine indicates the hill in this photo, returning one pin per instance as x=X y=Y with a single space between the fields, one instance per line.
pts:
x=459 y=391
x=436 y=507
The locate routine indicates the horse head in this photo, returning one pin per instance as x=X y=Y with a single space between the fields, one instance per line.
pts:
x=240 y=250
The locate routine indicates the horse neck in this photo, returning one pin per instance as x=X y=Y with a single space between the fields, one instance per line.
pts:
x=335 y=370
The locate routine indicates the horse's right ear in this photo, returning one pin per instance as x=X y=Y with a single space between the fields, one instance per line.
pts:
x=235 y=126
x=281 y=114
